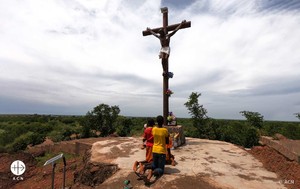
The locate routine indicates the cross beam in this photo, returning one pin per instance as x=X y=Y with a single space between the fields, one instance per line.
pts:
x=169 y=28
x=165 y=40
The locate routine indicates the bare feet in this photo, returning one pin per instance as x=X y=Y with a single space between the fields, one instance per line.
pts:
x=135 y=166
x=150 y=174
x=142 y=169
x=173 y=162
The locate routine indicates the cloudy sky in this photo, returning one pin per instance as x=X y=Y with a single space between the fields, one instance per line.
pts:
x=68 y=56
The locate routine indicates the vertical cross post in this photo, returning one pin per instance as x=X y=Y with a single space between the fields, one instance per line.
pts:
x=165 y=61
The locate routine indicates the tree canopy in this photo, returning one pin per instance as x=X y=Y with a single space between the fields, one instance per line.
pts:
x=102 y=118
x=254 y=118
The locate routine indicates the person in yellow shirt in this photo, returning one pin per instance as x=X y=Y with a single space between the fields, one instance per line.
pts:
x=159 y=149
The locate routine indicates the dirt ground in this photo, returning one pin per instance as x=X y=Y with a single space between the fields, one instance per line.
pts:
x=35 y=177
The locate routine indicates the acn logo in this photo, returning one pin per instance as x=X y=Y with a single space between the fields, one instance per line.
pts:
x=17 y=167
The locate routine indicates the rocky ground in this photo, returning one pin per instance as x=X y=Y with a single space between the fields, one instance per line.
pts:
x=201 y=164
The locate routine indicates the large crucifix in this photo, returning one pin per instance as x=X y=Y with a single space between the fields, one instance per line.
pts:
x=164 y=37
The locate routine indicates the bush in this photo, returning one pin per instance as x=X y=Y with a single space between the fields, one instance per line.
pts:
x=240 y=134
x=86 y=131
x=252 y=137
x=7 y=137
x=229 y=133
x=23 y=141
x=254 y=118
x=124 y=126
x=191 y=132
x=56 y=136
x=271 y=128
x=3 y=149
x=210 y=130
x=290 y=130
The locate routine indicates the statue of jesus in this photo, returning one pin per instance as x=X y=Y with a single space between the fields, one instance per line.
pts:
x=164 y=52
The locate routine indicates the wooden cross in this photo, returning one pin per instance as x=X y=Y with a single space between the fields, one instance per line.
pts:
x=164 y=37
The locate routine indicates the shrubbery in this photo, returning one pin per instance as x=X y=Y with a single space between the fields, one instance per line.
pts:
x=245 y=134
x=236 y=132
x=17 y=132
x=124 y=126
x=102 y=118
x=290 y=130
x=21 y=142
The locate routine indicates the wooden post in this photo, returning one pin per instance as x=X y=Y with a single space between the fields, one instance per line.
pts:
x=165 y=61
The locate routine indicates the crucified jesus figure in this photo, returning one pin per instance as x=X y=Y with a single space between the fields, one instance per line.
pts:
x=165 y=40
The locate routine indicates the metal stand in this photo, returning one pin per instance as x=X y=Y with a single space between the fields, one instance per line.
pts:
x=53 y=173
x=64 y=178
x=52 y=161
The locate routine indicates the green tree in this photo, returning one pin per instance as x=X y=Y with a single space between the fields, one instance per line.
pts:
x=197 y=111
x=252 y=137
x=102 y=118
x=254 y=118
x=124 y=126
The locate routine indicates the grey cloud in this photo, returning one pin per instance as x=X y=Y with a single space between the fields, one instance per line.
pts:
x=278 y=5
x=225 y=9
x=177 y=4
x=275 y=87
x=200 y=80
x=9 y=105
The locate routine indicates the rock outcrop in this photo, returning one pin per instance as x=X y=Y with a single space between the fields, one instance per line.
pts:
x=94 y=173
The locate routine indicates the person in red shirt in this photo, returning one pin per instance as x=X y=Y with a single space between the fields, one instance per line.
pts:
x=148 y=138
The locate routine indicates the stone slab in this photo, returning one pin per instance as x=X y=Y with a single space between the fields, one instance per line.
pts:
x=284 y=147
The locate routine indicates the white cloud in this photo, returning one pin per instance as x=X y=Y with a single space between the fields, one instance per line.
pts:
x=238 y=54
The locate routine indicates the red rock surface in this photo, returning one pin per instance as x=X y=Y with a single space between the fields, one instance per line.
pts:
x=288 y=171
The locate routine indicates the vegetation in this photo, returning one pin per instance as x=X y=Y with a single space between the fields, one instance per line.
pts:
x=245 y=133
x=241 y=133
x=102 y=118
x=255 y=119
x=19 y=131
x=198 y=113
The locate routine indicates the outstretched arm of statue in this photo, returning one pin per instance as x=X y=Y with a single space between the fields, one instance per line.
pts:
x=176 y=29
x=153 y=33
